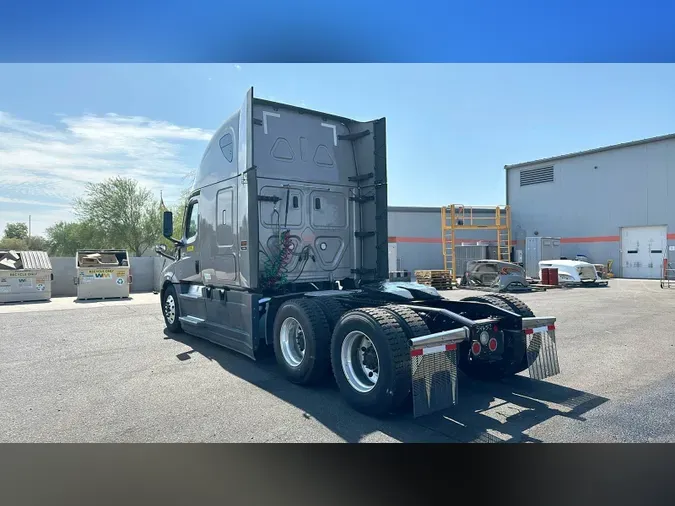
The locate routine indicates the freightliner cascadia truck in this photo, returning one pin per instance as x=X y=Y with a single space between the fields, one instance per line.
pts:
x=284 y=247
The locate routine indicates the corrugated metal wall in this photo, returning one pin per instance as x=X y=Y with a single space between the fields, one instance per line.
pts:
x=594 y=195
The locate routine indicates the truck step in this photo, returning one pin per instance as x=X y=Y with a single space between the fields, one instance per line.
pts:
x=192 y=320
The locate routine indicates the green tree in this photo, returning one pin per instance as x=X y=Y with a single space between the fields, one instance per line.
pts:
x=12 y=243
x=121 y=211
x=65 y=238
x=34 y=243
x=16 y=231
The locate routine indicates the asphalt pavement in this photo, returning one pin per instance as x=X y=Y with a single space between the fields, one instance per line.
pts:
x=108 y=372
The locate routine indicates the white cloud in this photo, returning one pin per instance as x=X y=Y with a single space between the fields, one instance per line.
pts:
x=32 y=202
x=238 y=67
x=44 y=166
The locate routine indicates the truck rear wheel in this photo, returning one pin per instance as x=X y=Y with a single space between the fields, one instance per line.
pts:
x=519 y=307
x=514 y=362
x=414 y=326
x=302 y=341
x=370 y=356
x=332 y=309
x=487 y=370
x=411 y=323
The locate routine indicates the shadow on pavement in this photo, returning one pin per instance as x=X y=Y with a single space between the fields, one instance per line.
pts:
x=492 y=412
x=91 y=301
x=25 y=303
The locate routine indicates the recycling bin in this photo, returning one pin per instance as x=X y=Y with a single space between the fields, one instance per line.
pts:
x=102 y=274
x=25 y=276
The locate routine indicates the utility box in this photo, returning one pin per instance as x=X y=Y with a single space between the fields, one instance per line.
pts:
x=102 y=274
x=25 y=276
x=538 y=249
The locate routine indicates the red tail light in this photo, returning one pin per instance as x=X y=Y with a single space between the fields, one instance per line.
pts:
x=475 y=348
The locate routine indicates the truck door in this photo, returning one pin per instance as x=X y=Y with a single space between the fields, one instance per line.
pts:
x=188 y=268
x=228 y=309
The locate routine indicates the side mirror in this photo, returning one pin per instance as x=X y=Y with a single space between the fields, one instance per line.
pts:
x=167 y=224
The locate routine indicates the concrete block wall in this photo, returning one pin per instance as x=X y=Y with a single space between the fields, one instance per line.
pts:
x=143 y=274
x=158 y=266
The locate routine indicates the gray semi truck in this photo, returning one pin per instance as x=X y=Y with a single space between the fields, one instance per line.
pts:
x=284 y=246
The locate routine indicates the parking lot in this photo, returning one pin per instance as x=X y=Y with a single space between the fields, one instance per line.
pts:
x=108 y=372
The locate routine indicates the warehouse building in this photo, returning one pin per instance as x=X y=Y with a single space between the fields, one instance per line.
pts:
x=611 y=203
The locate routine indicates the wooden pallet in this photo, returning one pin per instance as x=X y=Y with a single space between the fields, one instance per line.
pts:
x=434 y=275
x=438 y=279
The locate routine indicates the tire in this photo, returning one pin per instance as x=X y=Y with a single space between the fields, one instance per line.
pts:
x=171 y=310
x=489 y=299
x=332 y=309
x=486 y=371
x=513 y=364
x=411 y=323
x=390 y=342
x=519 y=307
x=414 y=326
x=310 y=361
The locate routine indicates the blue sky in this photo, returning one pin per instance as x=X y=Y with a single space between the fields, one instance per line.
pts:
x=451 y=127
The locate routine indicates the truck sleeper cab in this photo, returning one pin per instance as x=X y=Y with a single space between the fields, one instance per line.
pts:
x=284 y=245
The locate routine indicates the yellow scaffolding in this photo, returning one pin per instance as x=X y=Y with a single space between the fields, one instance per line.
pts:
x=458 y=217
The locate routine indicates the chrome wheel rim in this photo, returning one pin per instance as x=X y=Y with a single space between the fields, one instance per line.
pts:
x=360 y=362
x=170 y=309
x=292 y=340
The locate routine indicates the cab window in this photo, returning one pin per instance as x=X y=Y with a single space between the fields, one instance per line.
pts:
x=192 y=221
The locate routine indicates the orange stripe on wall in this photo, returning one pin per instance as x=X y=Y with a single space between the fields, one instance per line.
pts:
x=604 y=238
x=433 y=240
x=567 y=240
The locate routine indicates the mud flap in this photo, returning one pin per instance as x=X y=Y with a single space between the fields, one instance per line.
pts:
x=434 y=378
x=542 y=351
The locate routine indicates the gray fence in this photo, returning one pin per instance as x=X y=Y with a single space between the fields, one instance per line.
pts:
x=144 y=270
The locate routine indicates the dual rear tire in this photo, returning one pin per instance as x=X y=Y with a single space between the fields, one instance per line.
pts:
x=514 y=359
x=367 y=350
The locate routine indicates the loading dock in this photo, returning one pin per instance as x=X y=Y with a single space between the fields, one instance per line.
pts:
x=643 y=250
